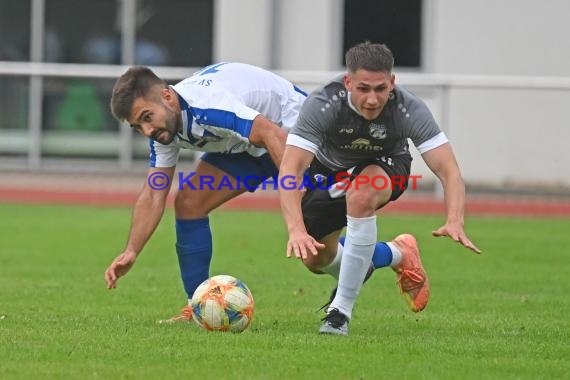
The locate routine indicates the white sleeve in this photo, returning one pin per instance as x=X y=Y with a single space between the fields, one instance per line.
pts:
x=432 y=143
x=163 y=156
x=302 y=143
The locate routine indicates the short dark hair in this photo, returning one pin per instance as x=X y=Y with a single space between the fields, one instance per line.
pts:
x=370 y=57
x=135 y=83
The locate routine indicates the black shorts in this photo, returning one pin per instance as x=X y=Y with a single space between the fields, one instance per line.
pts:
x=325 y=211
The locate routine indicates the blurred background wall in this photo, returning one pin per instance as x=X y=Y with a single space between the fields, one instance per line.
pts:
x=495 y=74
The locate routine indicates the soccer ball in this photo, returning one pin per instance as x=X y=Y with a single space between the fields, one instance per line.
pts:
x=222 y=303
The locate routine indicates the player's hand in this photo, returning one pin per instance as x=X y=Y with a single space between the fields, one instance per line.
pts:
x=302 y=244
x=456 y=233
x=118 y=268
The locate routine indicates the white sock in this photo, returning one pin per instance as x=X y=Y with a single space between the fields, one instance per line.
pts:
x=358 y=251
x=334 y=267
x=396 y=254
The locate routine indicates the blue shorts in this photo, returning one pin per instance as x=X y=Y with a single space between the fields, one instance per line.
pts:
x=249 y=171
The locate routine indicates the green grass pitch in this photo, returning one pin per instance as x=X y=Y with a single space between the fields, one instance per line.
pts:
x=501 y=315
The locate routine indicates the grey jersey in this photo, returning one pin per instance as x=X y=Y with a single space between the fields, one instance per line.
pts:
x=331 y=128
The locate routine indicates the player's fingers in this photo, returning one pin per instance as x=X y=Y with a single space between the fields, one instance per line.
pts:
x=453 y=235
x=313 y=250
x=302 y=253
x=315 y=246
x=111 y=279
x=468 y=244
x=290 y=249
x=317 y=243
x=475 y=249
x=438 y=233
x=108 y=274
x=297 y=250
x=108 y=282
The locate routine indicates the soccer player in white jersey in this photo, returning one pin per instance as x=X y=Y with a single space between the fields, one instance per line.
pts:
x=239 y=114
x=355 y=128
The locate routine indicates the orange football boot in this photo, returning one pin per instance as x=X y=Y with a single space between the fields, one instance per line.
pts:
x=184 y=316
x=411 y=276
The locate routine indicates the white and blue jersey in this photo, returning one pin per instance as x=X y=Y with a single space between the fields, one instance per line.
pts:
x=218 y=106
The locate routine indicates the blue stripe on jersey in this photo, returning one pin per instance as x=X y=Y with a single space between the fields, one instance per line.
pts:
x=299 y=90
x=222 y=119
x=210 y=69
x=186 y=108
x=152 y=153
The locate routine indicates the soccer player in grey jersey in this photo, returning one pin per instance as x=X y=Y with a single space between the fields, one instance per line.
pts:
x=352 y=135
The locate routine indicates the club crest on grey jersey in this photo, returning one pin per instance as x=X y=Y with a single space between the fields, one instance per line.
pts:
x=378 y=131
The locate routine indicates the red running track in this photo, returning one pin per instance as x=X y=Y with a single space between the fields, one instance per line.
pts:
x=270 y=202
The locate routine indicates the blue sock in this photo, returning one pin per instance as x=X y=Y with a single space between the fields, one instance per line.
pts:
x=194 y=249
x=382 y=256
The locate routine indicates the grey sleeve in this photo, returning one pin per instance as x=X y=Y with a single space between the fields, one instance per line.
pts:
x=315 y=116
x=419 y=124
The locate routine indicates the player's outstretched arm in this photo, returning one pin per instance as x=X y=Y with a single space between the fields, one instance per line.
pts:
x=295 y=161
x=265 y=133
x=442 y=162
x=147 y=213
